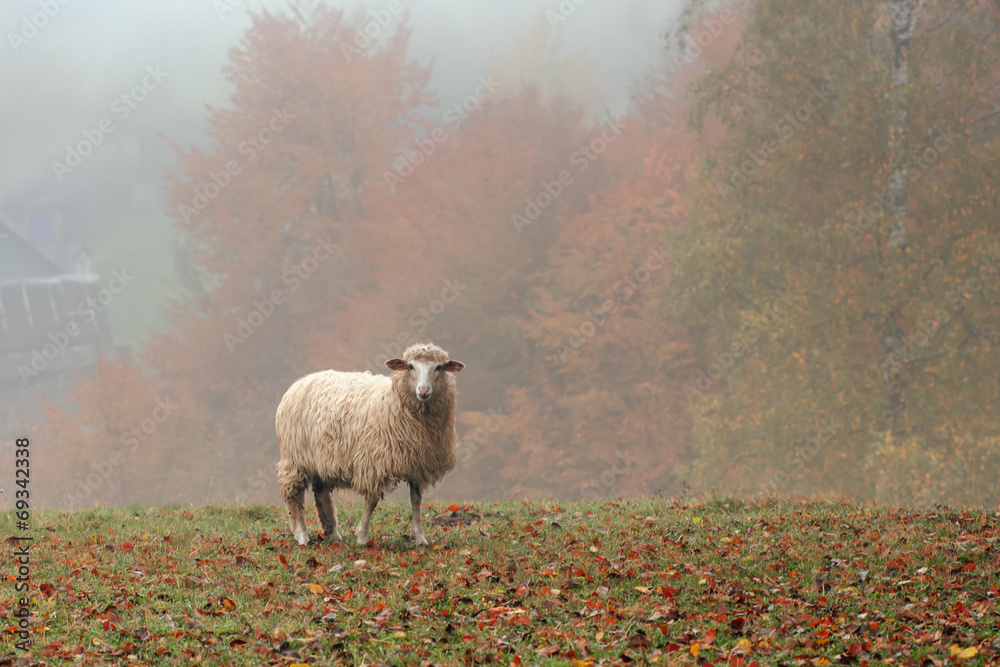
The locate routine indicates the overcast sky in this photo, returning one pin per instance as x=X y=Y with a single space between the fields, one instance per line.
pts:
x=66 y=74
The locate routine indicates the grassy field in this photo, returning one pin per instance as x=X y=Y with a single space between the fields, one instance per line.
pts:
x=647 y=582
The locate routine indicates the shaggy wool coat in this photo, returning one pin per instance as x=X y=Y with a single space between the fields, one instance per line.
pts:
x=365 y=432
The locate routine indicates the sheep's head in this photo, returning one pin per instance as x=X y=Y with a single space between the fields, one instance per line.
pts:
x=426 y=365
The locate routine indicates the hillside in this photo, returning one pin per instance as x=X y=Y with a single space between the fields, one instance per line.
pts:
x=648 y=582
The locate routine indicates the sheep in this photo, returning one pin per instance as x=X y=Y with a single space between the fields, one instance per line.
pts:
x=368 y=433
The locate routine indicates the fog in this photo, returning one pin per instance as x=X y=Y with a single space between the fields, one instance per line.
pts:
x=658 y=284
x=65 y=79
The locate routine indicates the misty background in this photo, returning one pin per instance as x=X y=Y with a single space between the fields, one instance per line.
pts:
x=64 y=80
x=743 y=247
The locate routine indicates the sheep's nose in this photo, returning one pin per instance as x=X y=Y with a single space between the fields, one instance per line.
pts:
x=424 y=389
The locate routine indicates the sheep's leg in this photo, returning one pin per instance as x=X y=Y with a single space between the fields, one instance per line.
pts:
x=327 y=511
x=416 y=528
x=293 y=486
x=295 y=496
x=362 y=530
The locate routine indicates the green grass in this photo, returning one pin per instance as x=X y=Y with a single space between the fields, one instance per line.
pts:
x=654 y=582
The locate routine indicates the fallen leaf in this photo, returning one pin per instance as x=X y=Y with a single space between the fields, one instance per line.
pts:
x=963 y=653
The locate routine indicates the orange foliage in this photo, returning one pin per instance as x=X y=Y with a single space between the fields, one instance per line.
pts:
x=304 y=247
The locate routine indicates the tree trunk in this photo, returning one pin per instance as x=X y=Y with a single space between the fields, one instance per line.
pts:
x=904 y=20
x=903 y=14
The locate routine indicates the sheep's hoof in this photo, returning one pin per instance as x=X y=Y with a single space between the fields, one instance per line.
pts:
x=362 y=540
x=302 y=539
x=420 y=540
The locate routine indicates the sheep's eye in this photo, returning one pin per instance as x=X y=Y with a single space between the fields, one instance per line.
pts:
x=439 y=367
x=410 y=366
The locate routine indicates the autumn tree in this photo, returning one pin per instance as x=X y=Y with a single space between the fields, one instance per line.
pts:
x=568 y=310
x=127 y=429
x=336 y=216
x=268 y=214
x=843 y=252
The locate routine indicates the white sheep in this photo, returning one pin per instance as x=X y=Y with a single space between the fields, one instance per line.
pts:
x=368 y=433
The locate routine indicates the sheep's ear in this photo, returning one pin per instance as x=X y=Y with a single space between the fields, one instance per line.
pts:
x=454 y=366
x=396 y=364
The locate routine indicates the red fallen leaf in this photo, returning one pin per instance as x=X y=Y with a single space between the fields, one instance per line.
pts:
x=284 y=561
x=312 y=562
x=638 y=641
x=521 y=591
x=236 y=642
x=47 y=589
x=126 y=546
x=551 y=649
x=707 y=638
x=454 y=508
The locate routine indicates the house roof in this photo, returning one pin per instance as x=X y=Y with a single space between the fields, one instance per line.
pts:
x=20 y=261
